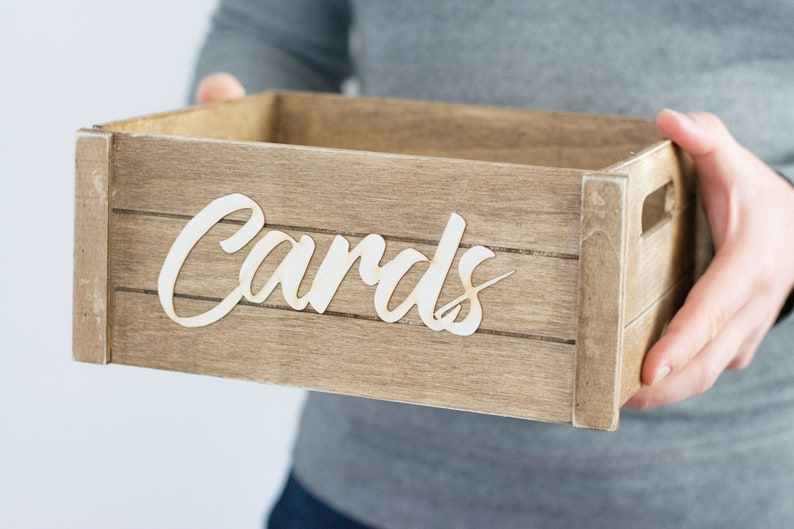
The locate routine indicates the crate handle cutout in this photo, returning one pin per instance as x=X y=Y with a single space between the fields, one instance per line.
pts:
x=657 y=208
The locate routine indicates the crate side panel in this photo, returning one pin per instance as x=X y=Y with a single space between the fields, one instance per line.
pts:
x=658 y=260
x=462 y=131
x=510 y=206
x=602 y=140
x=663 y=257
x=644 y=331
x=485 y=373
x=659 y=165
x=253 y=118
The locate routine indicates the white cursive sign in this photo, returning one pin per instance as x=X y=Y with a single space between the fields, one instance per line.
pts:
x=335 y=266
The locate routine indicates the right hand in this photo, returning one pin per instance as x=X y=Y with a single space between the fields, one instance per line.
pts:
x=219 y=87
x=729 y=310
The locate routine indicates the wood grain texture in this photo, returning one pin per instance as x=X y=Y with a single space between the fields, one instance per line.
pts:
x=485 y=133
x=561 y=340
x=539 y=299
x=644 y=331
x=91 y=253
x=601 y=289
x=660 y=164
x=661 y=258
x=399 y=197
x=407 y=363
x=658 y=260
x=253 y=118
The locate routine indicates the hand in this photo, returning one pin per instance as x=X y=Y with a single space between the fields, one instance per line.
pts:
x=750 y=210
x=219 y=87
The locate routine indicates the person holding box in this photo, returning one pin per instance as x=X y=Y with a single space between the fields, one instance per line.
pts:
x=709 y=441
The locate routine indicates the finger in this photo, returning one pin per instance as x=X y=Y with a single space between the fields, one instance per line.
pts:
x=219 y=87
x=711 y=303
x=717 y=156
x=736 y=345
x=702 y=371
x=763 y=319
x=712 y=147
x=699 y=133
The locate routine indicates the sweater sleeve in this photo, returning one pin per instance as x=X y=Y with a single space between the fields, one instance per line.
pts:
x=272 y=44
x=787 y=173
x=788 y=306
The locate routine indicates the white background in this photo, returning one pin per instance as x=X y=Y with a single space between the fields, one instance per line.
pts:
x=81 y=445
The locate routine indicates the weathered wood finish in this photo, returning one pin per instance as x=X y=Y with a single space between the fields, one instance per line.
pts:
x=644 y=331
x=549 y=282
x=92 y=299
x=561 y=340
x=251 y=119
x=404 y=197
x=601 y=284
x=660 y=265
x=336 y=353
x=482 y=133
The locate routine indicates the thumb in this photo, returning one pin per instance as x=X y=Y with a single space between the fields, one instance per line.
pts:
x=720 y=162
x=219 y=87
x=700 y=134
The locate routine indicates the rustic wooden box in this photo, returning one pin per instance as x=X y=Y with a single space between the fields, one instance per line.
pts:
x=595 y=216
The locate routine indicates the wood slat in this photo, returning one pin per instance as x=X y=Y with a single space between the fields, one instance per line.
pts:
x=253 y=118
x=467 y=132
x=658 y=260
x=644 y=331
x=357 y=358
x=510 y=206
x=539 y=299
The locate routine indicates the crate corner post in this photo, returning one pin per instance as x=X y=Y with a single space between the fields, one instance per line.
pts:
x=91 y=296
x=600 y=308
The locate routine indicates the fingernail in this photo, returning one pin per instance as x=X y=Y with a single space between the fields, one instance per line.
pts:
x=680 y=115
x=660 y=374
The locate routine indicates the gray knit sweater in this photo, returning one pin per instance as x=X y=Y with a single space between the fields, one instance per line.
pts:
x=722 y=459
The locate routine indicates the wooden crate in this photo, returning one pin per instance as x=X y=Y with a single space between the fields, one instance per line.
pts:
x=592 y=217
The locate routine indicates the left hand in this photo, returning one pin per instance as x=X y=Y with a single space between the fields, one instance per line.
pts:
x=729 y=310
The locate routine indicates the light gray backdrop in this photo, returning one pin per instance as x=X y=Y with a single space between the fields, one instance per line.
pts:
x=85 y=446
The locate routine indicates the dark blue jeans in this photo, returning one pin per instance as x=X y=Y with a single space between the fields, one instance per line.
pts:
x=298 y=509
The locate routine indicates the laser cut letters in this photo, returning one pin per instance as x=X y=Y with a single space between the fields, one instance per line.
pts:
x=335 y=266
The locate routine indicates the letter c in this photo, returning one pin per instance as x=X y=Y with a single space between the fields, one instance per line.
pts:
x=190 y=235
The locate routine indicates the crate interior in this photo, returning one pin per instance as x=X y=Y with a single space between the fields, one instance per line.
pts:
x=494 y=134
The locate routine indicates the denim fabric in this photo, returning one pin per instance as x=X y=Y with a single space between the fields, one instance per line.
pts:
x=298 y=509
